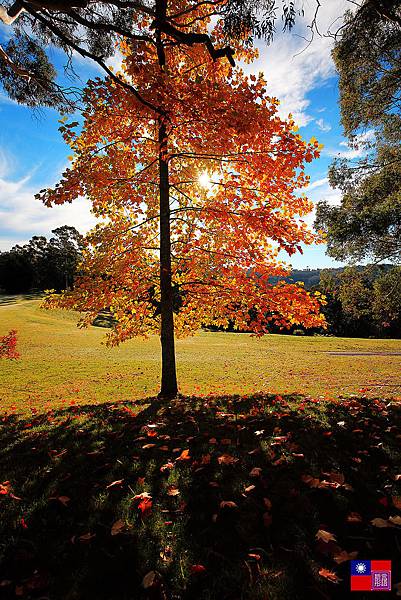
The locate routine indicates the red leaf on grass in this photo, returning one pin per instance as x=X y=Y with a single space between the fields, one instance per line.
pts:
x=329 y=575
x=226 y=459
x=197 y=569
x=184 y=455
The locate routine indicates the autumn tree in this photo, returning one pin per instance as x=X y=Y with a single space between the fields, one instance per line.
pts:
x=198 y=197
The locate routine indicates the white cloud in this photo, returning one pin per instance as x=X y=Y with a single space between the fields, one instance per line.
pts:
x=22 y=216
x=321 y=190
x=358 y=148
x=316 y=184
x=293 y=68
x=323 y=126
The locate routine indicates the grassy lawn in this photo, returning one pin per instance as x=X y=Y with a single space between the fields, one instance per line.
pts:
x=62 y=364
x=241 y=490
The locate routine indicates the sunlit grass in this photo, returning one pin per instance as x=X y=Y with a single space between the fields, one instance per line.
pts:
x=61 y=364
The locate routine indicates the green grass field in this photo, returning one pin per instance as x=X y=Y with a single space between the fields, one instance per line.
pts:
x=107 y=494
x=61 y=363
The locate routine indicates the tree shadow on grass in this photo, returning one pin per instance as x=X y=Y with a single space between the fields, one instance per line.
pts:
x=217 y=497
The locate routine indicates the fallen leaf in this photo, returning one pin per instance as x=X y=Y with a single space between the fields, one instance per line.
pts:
x=228 y=504
x=172 y=490
x=396 y=501
x=197 y=569
x=115 y=483
x=117 y=527
x=380 y=523
x=255 y=472
x=184 y=455
x=86 y=537
x=226 y=459
x=63 y=499
x=354 y=517
x=267 y=503
x=151 y=579
x=395 y=520
x=325 y=536
x=148 y=446
x=329 y=575
x=249 y=489
x=343 y=556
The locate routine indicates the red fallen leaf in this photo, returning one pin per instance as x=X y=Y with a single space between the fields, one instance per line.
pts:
x=115 y=483
x=145 y=505
x=205 y=459
x=172 y=490
x=228 y=504
x=5 y=488
x=267 y=503
x=226 y=442
x=147 y=446
x=164 y=448
x=255 y=472
x=383 y=501
x=327 y=433
x=197 y=569
x=267 y=519
x=140 y=480
x=184 y=455
x=329 y=575
x=396 y=500
x=249 y=489
x=212 y=441
x=23 y=523
x=397 y=477
x=334 y=476
x=13 y=496
x=254 y=556
x=226 y=459
x=167 y=466
x=354 y=517
x=86 y=537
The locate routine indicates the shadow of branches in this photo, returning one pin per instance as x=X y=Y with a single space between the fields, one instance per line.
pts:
x=199 y=498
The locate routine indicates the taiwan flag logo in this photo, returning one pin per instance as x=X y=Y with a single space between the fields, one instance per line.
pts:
x=370 y=575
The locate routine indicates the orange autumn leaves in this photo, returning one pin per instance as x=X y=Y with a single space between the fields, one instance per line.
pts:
x=226 y=235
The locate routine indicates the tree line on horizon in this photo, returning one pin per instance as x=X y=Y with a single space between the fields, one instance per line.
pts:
x=361 y=301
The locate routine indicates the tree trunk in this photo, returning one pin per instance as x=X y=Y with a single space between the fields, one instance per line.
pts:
x=169 y=387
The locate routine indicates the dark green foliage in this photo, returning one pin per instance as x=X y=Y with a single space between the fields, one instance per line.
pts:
x=367 y=223
x=42 y=264
x=362 y=302
x=40 y=88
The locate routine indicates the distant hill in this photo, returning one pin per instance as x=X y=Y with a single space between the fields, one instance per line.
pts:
x=311 y=277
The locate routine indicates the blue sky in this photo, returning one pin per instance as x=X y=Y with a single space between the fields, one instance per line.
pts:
x=33 y=155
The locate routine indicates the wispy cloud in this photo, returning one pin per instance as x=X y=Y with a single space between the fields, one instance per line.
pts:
x=323 y=126
x=293 y=68
x=358 y=148
x=22 y=216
